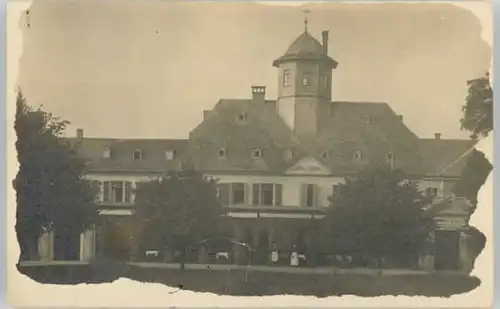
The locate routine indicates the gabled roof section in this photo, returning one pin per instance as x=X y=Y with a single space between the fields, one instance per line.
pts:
x=122 y=160
x=262 y=129
x=308 y=166
x=445 y=157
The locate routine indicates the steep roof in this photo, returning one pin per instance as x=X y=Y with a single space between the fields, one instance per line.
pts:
x=372 y=128
x=445 y=157
x=153 y=154
x=305 y=44
x=305 y=47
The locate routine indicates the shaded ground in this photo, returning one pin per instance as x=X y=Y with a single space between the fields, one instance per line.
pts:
x=239 y=281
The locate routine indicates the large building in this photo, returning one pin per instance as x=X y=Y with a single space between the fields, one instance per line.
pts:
x=278 y=161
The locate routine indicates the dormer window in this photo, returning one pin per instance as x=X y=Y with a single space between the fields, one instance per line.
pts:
x=222 y=153
x=357 y=155
x=170 y=154
x=257 y=153
x=137 y=154
x=242 y=117
x=106 y=153
x=287 y=76
x=325 y=154
x=366 y=119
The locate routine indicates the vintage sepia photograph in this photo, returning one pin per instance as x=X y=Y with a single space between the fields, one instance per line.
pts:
x=249 y=149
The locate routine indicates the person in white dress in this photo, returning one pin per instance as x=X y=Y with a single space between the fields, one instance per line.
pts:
x=274 y=254
x=294 y=257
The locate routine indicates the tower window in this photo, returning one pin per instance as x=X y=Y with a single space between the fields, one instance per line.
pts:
x=357 y=155
x=170 y=154
x=106 y=153
x=326 y=81
x=222 y=153
x=305 y=81
x=287 y=76
x=137 y=154
x=257 y=153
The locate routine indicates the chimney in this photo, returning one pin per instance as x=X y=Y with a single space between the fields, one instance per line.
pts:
x=259 y=94
x=437 y=135
x=400 y=117
x=79 y=133
x=324 y=35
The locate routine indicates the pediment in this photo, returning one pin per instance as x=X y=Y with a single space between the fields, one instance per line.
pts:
x=308 y=166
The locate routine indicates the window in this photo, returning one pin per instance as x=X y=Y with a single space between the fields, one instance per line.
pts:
x=309 y=195
x=335 y=190
x=137 y=154
x=288 y=154
x=232 y=193
x=431 y=192
x=106 y=153
x=257 y=153
x=326 y=81
x=366 y=119
x=287 y=76
x=222 y=153
x=242 y=117
x=390 y=159
x=267 y=194
x=305 y=80
x=116 y=192
x=357 y=155
x=170 y=154
x=238 y=193
x=325 y=154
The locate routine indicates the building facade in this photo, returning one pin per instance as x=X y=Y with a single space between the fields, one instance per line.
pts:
x=277 y=161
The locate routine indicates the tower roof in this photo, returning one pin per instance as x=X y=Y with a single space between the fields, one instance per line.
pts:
x=305 y=44
x=305 y=47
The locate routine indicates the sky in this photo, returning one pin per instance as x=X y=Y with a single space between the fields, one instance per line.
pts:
x=148 y=69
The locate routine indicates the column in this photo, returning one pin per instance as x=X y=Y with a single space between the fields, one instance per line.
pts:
x=87 y=244
x=466 y=259
x=46 y=246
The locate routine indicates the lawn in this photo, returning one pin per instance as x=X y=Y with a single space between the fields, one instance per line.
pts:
x=239 y=282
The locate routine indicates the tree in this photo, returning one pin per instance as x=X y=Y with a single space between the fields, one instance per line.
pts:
x=377 y=213
x=478 y=119
x=52 y=193
x=177 y=210
x=478 y=109
x=476 y=170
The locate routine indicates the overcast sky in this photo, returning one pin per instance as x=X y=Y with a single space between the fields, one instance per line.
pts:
x=147 y=69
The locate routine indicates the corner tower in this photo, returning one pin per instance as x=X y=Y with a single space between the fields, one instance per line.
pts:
x=305 y=83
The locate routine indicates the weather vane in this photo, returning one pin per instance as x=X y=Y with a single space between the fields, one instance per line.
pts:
x=305 y=18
